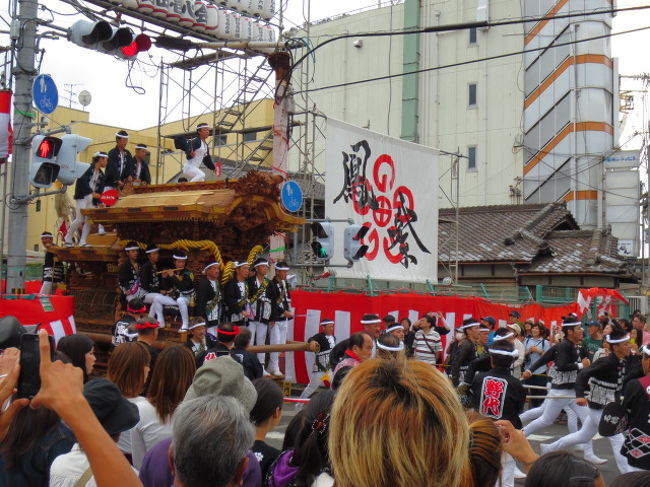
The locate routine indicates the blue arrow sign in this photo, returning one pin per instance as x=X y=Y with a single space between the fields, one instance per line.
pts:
x=291 y=196
x=44 y=94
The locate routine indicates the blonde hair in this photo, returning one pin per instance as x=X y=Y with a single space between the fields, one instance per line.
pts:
x=398 y=422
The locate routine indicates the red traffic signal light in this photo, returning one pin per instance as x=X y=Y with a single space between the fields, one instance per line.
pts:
x=141 y=43
x=48 y=148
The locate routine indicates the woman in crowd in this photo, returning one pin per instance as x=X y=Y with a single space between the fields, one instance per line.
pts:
x=128 y=368
x=80 y=349
x=535 y=346
x=170 y=381
x=409 y=336
x=563 y=468
x=266 y=416
x=386 y=408
x=34 y=439
x=428 y=347
x=307 y=464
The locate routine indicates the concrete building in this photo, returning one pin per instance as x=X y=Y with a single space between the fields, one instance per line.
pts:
x=534 y=127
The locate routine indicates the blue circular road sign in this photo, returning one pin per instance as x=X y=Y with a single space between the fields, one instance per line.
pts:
x=291 y=196
x=45 y=94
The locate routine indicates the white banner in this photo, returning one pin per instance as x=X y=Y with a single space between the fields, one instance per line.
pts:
x=391 y=186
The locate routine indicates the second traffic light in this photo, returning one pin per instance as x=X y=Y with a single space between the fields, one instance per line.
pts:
x=323 y=243
x=70 y=169
x=106 y=38
x=353 y=249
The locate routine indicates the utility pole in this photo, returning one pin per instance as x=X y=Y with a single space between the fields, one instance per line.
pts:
x=24 y=74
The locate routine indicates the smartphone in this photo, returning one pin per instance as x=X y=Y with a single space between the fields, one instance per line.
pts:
x=30 y=360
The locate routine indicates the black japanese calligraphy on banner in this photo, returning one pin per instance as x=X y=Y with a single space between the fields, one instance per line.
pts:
x=385 y=184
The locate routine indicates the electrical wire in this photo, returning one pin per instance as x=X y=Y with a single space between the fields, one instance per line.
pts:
x=474 y=61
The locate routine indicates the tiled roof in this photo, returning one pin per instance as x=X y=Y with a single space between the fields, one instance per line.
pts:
x=582 y=251
x=506 y=233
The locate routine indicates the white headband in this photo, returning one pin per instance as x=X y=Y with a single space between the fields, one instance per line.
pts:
x=196 y=325
x=504 y=337
x=470 y=325
x=575 y=323
x=121 y=136
x=281 y=268
x=151 y=251
x=46 y=235
x=202 y=126
x=514 y=353
x=211 y=264
x=620 y=340
x=100 y=154
x=179 y=257
x=240 y=264
x=370 y=322
x=391 y=349
x=394 y=327
x=645 y=349
x=126 y=249
x=264 y=262
x=140 y=146
x=326 y=322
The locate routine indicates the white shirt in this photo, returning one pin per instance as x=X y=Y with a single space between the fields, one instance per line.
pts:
x=199 y=154
x=147 y=432
x=68 y=468
x=125 y=438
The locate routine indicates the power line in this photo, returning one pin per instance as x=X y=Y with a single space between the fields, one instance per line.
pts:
x=474 y=61
x=465 y=26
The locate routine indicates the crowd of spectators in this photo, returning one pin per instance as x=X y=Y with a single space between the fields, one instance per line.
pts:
x=386 y=421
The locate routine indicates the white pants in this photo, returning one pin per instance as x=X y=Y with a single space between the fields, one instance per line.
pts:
x=258 y=337
x=46 y=287
x=531 y=414
x=277 y=336
x=80 y=220
x=315 y=381
x=193 y=173
x=157 y=301
x=587 y=432
x=507 y=471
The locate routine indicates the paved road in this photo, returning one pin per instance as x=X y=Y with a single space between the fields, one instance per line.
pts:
x=602 y=447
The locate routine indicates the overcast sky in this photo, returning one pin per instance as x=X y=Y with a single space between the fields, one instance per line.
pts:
x=114 y=103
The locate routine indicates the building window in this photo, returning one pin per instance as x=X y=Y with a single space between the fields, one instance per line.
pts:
x=250 y=136
x=471 y=158
x=38 y=205
x=221 y=139
x=471 y=92
x=35 y=247
x=473 y=35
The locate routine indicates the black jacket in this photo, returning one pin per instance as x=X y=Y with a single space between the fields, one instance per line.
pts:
x=281 y=299
x=113 y=173
x=498 y=395
x=252 y=366
x=465 y=355
x=145 y=175
x=565 y=354
x=322 y=358
x=128 y=277
x=205 y=295
x=262 y=300
x=52 y=269
x=636 y=400
x=149 y=278
x=82 y=186
x=233 y=300
x=196 y=349
x=606 y=378
x=182 y=283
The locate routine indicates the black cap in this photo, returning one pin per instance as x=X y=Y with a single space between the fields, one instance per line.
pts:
x=515 y=314
x=113 y=410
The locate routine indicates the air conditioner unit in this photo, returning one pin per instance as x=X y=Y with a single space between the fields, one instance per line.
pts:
x=483 y=12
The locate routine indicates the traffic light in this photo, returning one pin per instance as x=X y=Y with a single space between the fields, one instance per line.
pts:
x=44 y=167
x=70 y=169
x=323 y=243
x=106 y=38
x=353 y=249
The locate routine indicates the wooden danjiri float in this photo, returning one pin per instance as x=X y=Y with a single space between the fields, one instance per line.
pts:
x=229 y=220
